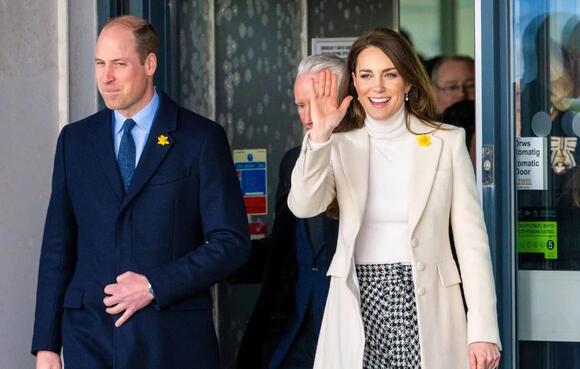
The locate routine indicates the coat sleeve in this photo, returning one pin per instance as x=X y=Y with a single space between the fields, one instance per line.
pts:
x=472 y=246
x=225 y=228
x=57 y=258
x=313 y=186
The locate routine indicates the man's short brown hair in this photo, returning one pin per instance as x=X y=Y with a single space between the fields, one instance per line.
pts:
x=146 y=38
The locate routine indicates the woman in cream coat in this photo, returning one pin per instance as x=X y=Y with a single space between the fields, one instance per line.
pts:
x=339 y=170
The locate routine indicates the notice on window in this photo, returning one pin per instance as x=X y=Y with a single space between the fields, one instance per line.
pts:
x=531 y=163
x=339 y=46
x=538 y=237
x=251 y=166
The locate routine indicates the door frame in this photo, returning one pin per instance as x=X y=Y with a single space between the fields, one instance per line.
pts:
x=495 y=130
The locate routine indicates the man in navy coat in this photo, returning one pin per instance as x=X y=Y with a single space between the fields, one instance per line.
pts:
x=145 y=216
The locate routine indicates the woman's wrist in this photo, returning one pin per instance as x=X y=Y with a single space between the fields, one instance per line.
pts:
x=318 y=136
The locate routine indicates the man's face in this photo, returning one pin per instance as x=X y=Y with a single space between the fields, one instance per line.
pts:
x=123 y=81
x=455 y=82
x=302 y=97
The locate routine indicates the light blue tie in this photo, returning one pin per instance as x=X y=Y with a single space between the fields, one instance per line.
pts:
x=126 y=157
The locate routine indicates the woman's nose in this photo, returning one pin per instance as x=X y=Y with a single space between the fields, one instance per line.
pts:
x=378 y=84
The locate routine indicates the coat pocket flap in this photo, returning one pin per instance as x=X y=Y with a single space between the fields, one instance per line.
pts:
x=448 y=273
x=73 y=298
x=162 y=178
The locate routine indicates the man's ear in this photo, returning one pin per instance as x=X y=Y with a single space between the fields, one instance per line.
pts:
x=150 y=64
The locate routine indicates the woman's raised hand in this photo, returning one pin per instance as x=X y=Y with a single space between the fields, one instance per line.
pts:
x=324 y=109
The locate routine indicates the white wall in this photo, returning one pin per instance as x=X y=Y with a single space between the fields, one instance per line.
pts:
x=82 y=16
x=28 y=129
x=29 y=97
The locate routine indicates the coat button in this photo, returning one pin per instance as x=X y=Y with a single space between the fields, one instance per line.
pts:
x=420 y=266
x=315 y=269
x=420 y=291
x=414 y=242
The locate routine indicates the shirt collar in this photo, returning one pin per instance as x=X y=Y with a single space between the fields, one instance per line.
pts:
x=144 y=117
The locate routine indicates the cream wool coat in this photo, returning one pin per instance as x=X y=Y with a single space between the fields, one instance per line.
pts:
x=442 y=192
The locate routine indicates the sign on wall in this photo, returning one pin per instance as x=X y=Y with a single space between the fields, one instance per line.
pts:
x=339 y=46
x=251 y=166
x=531 y=163
x=538 y=237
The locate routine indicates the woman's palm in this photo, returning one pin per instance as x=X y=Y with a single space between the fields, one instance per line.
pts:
x=324 y=109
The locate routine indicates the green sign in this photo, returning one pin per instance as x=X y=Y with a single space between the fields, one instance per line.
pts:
x=538 y=237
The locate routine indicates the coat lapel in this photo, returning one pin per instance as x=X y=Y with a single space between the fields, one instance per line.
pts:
x=355 y=163
x=153 y=153
x=103 y=145
x=424 y=167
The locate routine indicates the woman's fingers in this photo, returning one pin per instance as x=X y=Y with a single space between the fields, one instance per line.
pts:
x=321 y=83
x=344 y=104
x=483 y=355
x=329 y=86
x=324 y=109
x=472 y=360
x=334 y=87
x=312 y=89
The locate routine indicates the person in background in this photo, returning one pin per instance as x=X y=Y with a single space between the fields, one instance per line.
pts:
x=145 y=215
x=462 y=114
x=430 y=63
x=453 y=80
x=284 y=326
x=398 y=179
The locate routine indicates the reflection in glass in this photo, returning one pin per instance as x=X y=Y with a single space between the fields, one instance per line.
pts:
x=547 y=108
x=550 y=87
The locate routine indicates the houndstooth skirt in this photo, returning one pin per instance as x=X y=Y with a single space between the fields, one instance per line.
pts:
x=390 y=316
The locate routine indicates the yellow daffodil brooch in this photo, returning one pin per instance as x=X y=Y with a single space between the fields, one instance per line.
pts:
x=424 y=140
x=162 y=140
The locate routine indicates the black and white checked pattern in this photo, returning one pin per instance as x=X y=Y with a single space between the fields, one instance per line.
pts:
x=390 y=316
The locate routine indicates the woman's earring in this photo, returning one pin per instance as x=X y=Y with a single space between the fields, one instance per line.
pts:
x=406 y=96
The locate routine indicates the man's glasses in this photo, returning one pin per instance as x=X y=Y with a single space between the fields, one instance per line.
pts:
x=453 y=89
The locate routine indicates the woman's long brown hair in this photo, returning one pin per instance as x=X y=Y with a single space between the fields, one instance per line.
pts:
x=421 y=101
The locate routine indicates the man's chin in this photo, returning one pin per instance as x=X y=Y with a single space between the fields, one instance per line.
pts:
x=111 y=104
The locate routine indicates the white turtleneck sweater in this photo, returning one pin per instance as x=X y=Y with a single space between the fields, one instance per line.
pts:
x=383 y=236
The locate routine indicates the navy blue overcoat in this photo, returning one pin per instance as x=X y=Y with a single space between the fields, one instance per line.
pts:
x=181 y=223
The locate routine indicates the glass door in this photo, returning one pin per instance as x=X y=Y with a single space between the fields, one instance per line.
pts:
x=545 y=70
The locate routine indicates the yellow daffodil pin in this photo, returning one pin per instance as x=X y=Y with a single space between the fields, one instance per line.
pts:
x=424 y=140
x=162 y=140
